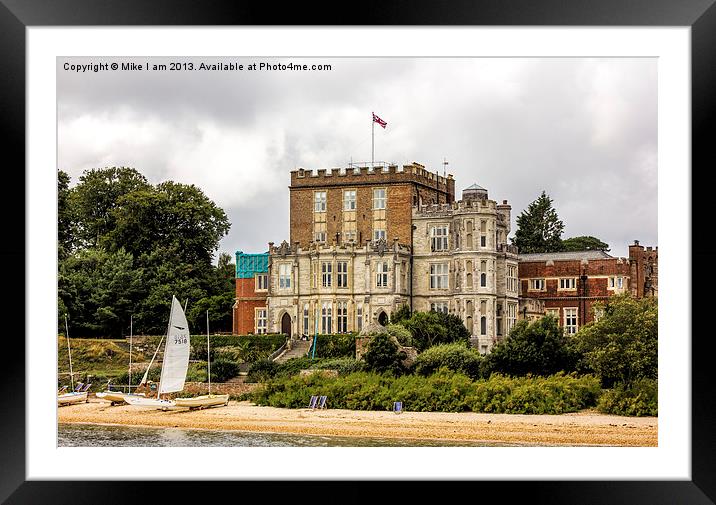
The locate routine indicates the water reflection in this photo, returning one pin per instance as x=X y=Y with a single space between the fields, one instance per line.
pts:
x=91 y=435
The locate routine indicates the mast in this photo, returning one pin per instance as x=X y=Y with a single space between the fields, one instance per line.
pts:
x=208 y=352
x=129 y=380
x=69 y=354
x=171 y=314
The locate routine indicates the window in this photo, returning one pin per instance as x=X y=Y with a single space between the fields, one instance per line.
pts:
x=381 y=279
x=379 y=198
x=342 y=317
x=320 y=236
x=598 y=313
x=570 y=320
x=305 y=319
x=379 y=233
x=284 y=276
x=483 y=325
x=319 y=201
x=483 y=280
x=483 y=241
x=342 y=274
x=439 y=238
x=439 y=307
x=326 y=318
x=261 y=321
x=359 y=317
x=568 y=283
x=511 y=316
x=439 y=276
x=512 y=278
x=553 y=312
x=620 y=282
x=261 y=282
x=537 y=284
x=349 y=199
x=326 y=274
x=616 y=282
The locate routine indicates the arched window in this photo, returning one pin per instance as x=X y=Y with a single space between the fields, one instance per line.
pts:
x=483 y=280
x=483 y=325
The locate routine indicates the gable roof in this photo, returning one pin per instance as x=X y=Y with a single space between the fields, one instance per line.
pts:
x=565 y=256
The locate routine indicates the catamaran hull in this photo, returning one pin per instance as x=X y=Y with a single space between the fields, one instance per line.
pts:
x=202 y=402
x=71 y=398
x=138 y=401
x=116 y=397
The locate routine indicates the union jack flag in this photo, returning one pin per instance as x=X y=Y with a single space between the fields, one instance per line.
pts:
x=376 y=119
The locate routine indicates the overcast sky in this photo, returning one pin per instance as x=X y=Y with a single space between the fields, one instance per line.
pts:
x=582 y=129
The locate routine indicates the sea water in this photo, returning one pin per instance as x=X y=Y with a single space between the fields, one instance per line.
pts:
x=93 y=435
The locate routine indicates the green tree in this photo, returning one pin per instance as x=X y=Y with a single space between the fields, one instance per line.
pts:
x=539 y=229
x=98 y=290
x=457 y=357
x=584 y=243
x=66 y=220
x=622 y=346
x=170 y=215
x=97 y=195
x=382 y=355
x=539 y=348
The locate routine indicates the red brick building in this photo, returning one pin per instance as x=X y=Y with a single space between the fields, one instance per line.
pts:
x=570 y=283
x=250 y=315
x=644 y=270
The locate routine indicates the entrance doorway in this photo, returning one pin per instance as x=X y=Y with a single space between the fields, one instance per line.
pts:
x=383 y=318
x=286 y=324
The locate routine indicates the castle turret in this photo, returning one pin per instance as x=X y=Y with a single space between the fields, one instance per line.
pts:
x=474 y=192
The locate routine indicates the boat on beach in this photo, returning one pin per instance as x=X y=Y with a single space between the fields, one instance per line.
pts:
x=75 y=396
x=204 y=401
x=118 y=397
x=174 y=365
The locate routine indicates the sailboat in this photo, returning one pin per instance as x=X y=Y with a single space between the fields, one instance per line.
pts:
x=174 y=365
x=204 y=401
x=72 y=397
x=115 y=397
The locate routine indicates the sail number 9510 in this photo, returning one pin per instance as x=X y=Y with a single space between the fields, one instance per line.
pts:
x=180 y=340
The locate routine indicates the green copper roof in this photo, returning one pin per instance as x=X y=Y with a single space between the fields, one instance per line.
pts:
x=249 y=264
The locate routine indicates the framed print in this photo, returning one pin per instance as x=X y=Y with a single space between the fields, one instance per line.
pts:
x=205 y=117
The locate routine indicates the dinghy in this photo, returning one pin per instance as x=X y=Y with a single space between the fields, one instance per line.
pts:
x=74 y=396
x=116 y=397
x=204 y=401
x=174 y=365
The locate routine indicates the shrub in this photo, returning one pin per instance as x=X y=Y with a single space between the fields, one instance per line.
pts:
x=401 y=333
x=443 y=391
x=539 y=348
x=456 y=357
x=433 y=328
x=223 y=370
x=382 y=355
x=335 y=346
x=639 y=399
x=261 y=371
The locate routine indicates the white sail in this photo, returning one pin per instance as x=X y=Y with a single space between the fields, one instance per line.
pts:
x=176 y=351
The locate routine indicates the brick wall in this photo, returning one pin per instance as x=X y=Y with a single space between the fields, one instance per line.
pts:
x=247 y=301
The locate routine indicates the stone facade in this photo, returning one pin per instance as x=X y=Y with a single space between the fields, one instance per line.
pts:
x=337 y=288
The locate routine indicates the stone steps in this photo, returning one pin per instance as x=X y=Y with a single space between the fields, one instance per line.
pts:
x=299 y=348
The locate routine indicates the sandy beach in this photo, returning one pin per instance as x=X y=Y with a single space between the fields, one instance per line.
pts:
x=582 y=428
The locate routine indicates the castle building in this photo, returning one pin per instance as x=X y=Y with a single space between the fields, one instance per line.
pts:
x=366 y=241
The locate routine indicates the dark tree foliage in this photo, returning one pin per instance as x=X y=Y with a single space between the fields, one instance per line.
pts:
x=539 y=229
x=126 y=246
x=622 y=346
x=539 y=348
x=433 y=328
x=584 y=243
x=383 y=355
x=400 y=315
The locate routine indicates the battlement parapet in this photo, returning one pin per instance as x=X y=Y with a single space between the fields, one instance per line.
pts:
x=444 y=209
x=386 y=173
x=322 y=249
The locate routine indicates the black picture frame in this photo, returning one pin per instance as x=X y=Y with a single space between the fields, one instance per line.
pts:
x=17 y=15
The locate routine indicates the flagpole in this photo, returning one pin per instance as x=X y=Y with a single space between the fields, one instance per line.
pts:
x=372 y=142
